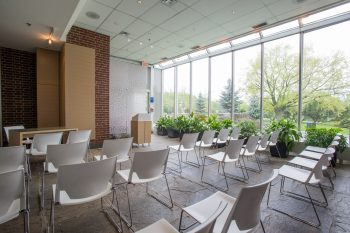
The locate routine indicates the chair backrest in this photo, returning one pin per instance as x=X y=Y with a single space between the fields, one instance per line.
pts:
x=274 y=136
x=208 y=225
x=84 y=180
x=41 y=141
x=79 y=136
x=235 y=133
x=149 y=164
x=117 y=147
x=252 y=144
x=264 y=140
x=188 y=140
x=11 y=158
x=208 y=136
x=8 y=128
x=246 y=210
x=65 y=154
x=234 y=149
x=12 y=188
x=223 y=134
x=317 y=171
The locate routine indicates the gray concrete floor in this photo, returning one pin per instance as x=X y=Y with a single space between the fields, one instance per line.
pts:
x=187 y=189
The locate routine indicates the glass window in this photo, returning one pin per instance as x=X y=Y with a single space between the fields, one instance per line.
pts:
x=326 y=78
x=168 y=91
x=219 y=47
x=200 y=79
x=221 y=85
x=183 y=58
x=281 y=28
x=281 y=79
x=183 y=88
x=247 y=83
x=198 y=53
x=245 y=39
x=327 y=14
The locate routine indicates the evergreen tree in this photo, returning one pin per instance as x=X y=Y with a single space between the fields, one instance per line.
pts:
x=254 y=107
x=226 y=98
x=200 y=104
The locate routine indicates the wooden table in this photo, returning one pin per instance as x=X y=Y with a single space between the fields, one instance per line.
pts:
x=17 y=135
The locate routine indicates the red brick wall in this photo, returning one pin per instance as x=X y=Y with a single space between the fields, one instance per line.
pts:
x=18 y=87
x=100 y=43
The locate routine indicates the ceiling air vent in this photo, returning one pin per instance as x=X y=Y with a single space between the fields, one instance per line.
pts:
x=196 y=47
x=168 y=2
x=260 y=25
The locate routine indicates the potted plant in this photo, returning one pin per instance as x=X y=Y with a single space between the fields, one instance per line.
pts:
x=199 y=126
x=227 y=123
x=287 y=137
x=214 y=123
x=171 y=129
x=162 y=125
x=184 y=124
x=248 y=128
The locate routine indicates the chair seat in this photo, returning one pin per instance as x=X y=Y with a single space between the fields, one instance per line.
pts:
x=337 y=137
x=246 y=152
x=161 y=226
x=310 y=155
x=135 y=179
x=203 y=145
x=294 y=173
x=50 y=168
x=12 y=212
x=307 y=163
x=35 y=152
x=181 y=149
x=66 y=200
x=229 y=138
x=202 y=210
x=220 y=156
x=260 y=148
x=218 y=141
x=234 y=228
x=316 y=149
x=119 y=159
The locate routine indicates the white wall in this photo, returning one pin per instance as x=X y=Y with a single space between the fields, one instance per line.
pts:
x=157 y=93
x=128 y=89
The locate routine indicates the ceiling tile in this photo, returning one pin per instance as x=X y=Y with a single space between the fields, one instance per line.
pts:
x=189 y=2
x=214 y=33
x=102 y=10
x=281 y=7
x=135 y=9
x=207 y=7
x=138 y=28
x=117 y=21
x=169 y=41
x=119 y=41
x=120 y=53
x=158 y=14
x=85 y=26
x=268 y=2
x=240 y=8
x=181 y=20
x=154 y=35
x=196 y=28
x=110 y=3
x=134 y=46
x=105 y=32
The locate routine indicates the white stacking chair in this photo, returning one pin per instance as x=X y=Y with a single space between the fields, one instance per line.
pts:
x=273 y=141
x=221 y=139
x=8 y=128
x=330 y=150
x=82 y=183
x=231 y=155
x=79 y=136
x=250 y=151
x=263 y=145
x=13 y=197
x=41 y=141
x=205 y=142
x=236 y=131
x=242 y=214
x=187 y=144
x=307 y=177
x=146 y=167
x=163 y=226
x=58 y=155
x=116 y=147
x=13 y=158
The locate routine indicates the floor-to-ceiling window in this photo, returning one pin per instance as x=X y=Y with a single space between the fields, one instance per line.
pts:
x=326 y=78
x=200 y=86
x=247 y=84
x=168 y=91
x=221 y=85
x=281 y=79
x=183 y=88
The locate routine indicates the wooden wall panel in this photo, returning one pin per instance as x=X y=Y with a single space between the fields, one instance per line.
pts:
x=47 y=88
x=79 y=87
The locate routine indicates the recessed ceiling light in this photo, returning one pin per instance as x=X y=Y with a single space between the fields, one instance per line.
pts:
x=140 y=43
x=92 y=15
x=233 y=11
x=152 y=46
x=139 y=1
x=129 y=39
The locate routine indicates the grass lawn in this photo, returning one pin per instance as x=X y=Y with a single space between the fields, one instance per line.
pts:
x=327 y=125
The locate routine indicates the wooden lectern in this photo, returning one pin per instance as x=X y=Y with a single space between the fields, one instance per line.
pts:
x=141 y=128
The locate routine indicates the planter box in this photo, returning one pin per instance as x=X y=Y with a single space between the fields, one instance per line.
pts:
x=162 y=132
x=172 y=133
x=282 y=149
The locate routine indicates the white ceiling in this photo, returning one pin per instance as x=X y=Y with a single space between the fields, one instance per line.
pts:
x=42 y=15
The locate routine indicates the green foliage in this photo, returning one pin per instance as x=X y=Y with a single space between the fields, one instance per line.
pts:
x=345 y=118
x=248 y=128
x=184 y=124
x=227 y=123
x=214 y=123
x=201 y=104
x=254 y=107
x=315 y=111
x=288 y=131
x=164 y=122
x=226 y=98
x=323 y=137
